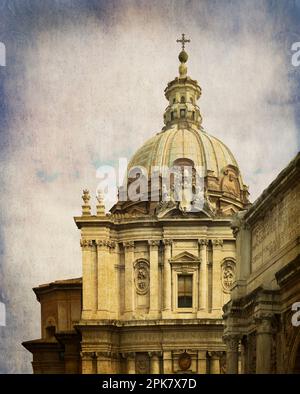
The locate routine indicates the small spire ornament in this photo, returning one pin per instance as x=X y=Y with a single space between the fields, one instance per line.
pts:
x=101 y=203
x=86 y=208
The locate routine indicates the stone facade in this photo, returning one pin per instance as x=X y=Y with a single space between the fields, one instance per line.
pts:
x=58 y=350
x=258 y=319
x=136 y=323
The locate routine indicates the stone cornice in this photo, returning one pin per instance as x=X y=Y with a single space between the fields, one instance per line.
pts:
x=286 y=177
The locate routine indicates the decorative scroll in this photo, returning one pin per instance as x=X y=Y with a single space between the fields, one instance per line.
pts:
x=142 y=277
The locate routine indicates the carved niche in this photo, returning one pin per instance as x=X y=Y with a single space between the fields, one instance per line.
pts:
x=141 y=276
x=227 y=274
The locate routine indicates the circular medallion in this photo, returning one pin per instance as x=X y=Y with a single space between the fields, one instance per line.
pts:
x=184 y=361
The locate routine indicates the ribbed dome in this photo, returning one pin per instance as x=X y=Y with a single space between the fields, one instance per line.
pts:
x=181 y=141
x=185 y=143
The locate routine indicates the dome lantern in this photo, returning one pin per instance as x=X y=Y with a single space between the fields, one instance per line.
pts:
x=182 y=94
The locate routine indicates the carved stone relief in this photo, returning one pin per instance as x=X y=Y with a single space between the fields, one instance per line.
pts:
x=228 y=275
x=141 y=276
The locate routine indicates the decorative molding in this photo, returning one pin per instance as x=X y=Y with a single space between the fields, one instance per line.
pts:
x=203 y=241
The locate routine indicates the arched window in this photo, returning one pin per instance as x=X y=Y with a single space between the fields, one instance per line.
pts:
x=193 y=115
x=182 y=100
x=174 y=100
x=182 y=113
x=172 y=115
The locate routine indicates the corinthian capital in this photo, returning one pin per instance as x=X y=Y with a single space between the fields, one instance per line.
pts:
x=217 y=242
x=128 y=244
x=103 y=243
x=167 y=242
x=153 y=242
x=86 y=243
x=232 y=342
x=203 y=241
x=87 y=355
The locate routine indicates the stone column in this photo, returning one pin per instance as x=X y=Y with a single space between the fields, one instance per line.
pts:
x=87 y=362
x=103 y=274
x=89 y=279
x=129 y=260
x=154 y=306
x=202 y=362
x=154 y=362
x=167 y=362
x=214 y=362
x=216 y=275
x=232 y=353
x=263 y=344
x=167 y=276
x=130 y=357
x=103 y=362
x=203 y=282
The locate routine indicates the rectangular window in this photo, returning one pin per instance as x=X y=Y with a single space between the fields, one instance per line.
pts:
x=185 y=291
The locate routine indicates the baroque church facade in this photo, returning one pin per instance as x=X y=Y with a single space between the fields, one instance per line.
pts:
x=156 y=273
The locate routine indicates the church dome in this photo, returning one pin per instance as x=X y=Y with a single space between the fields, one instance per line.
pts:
x=181 y=143
x=201 y=148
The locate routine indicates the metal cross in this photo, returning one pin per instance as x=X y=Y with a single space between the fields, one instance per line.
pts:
x=183 y=41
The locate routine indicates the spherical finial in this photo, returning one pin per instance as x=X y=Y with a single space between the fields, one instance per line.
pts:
x=183 y=57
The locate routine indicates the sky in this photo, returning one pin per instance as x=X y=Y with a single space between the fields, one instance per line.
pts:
x=83 y=85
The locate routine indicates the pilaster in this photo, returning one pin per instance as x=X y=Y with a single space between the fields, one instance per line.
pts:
x=154 y=362
x=89 y=278
x=203 y=280
x=129 y=288
x=154 y=304
x=87 y=359
x=167 y=279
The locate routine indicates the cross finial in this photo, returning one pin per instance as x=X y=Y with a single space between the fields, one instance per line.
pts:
x=183 y=41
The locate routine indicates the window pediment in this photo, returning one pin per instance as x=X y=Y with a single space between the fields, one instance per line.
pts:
x=185 y=257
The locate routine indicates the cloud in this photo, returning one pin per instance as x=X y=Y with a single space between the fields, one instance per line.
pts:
x=91 y=91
